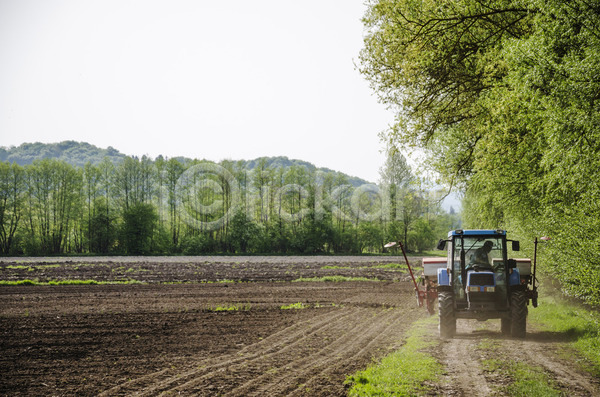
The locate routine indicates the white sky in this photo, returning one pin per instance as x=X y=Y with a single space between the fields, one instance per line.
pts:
x=203 y=79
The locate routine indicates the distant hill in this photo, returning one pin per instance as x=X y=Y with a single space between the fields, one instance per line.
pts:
x=80 y=153
x=75 y=153
x=284 y=162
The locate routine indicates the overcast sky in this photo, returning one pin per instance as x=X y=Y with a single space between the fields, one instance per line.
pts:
x=206 y=79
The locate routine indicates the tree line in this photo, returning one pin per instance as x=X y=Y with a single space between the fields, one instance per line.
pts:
x=503 y=96
x=165 y=206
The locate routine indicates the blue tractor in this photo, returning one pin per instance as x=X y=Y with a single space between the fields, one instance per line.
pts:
x=480 y=282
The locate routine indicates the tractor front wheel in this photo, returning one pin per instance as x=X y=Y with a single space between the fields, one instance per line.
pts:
x=518 y=309
x=446 y=313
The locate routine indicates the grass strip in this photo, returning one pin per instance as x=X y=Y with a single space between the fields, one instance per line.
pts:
x=229 y=308
x=530 y=381
x=66 y=282
x=394 y=266
x=297 y=305
x=580 y=326
x=525 y=379
x=333 y=279
x=404 y=372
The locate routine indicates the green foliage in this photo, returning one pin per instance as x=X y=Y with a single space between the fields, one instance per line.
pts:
x=51 y=198
x=11 y=199
x=65 y=282
x=137 y=232
x=333 y=279
x=102 y=232
x=370 y=237
x=297 y=305
x=502 y=96
x=229 y=308
x=243 y=233
x=393 y=266
x=139 y=206
x=198 y=245
x=422 y=236
x=74 y=153
x=528 y=380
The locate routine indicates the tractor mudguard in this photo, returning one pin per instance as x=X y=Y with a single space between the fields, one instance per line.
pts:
x=515 y=277
x=443 y=278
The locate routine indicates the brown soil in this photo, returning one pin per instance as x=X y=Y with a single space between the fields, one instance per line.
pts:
x=199 y=269
x=149 y=339
x=157 y=338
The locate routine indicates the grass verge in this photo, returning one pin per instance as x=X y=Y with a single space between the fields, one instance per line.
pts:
x=333 y=279
x=229 y=308
x=578 y=325
x=404 y=372
x=525 y=379
x=297 y=305
x=528 y=380
x=66 y=282
x=392 y=266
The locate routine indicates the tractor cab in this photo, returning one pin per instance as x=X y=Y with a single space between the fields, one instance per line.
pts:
x=478 y=267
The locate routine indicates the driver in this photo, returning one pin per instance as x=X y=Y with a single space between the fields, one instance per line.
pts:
x=480 y=257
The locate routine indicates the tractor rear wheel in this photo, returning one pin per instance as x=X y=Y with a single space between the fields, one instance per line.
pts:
x=518 y=309
x=446 y=313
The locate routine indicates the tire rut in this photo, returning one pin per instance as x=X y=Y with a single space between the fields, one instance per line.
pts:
x=170 y=378
x=359 y=337
x=305 y=356
x=464 y=374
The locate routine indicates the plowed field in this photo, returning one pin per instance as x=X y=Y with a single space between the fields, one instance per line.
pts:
x=200 y=335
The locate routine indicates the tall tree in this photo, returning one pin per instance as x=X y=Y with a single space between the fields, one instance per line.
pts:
x=12 y=188
x=91 y=179
x=140 y=222
x=174 y=169
x=53 y=187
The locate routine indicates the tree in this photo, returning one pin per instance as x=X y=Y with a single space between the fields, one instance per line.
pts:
x=139 y=225
x=243 y=232
x=52 y=195
x=91 y=179
x=433 y=61
x=410 y=204
x=133 y=181
x=12 y=188
x=370 y=237
x=396 y=178
x=101 y=233
x=422 y=236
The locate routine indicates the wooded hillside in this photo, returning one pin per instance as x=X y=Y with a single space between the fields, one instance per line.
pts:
x=81 y=153
x=128 y=205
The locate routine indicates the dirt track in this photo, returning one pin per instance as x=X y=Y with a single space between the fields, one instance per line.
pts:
x=466 y=374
